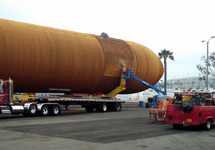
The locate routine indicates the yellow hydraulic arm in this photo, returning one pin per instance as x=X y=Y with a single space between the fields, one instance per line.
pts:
x=120 y=88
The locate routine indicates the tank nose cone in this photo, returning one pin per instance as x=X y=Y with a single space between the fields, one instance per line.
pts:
x=147 y=67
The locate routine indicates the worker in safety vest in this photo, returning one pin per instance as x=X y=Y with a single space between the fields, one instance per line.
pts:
x=184 y=98
x=124 y=70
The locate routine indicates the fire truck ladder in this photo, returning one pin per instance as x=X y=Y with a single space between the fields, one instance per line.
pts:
x=131 y=76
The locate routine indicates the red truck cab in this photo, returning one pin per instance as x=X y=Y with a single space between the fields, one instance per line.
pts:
x=198 y=111
x=4 y=92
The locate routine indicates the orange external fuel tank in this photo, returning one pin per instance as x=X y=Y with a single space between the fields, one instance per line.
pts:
x=40 y=58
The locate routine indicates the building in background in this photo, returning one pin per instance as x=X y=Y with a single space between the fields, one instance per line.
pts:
x=189 y=82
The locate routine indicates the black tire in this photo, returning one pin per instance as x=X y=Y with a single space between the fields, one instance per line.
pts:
x=55 y=110
x=117 y=107
x=178 y=126
x=89 y=108
x=207 y=125
x=102 y=107
x=44 y=110
x=31 y=112
x=147 y=105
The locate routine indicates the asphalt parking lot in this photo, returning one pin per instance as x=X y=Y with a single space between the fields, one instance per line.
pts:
x=76 y=129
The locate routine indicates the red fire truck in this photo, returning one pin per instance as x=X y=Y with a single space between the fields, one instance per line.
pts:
x=199 y=109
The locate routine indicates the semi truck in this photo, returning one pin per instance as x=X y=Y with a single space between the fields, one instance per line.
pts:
x=197 y=109
x=50 y=105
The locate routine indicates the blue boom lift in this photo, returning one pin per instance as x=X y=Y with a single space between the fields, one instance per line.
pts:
x=156 y=97
x=129 y=75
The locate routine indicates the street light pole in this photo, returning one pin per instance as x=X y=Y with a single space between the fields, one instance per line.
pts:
x=207 y=61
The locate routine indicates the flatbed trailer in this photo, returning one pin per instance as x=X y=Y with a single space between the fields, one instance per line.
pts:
x=50 y=105
x=91 y=103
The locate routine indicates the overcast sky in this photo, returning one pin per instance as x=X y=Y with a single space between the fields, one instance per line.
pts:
x=175 y=25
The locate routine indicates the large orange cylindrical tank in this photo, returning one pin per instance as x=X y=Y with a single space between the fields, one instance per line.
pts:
x=40 y=58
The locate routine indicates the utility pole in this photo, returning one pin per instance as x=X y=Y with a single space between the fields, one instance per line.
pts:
x=207 y=61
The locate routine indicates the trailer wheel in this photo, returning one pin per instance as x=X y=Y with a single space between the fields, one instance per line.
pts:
x=45 y=110
x=177 y=126
x=89 y=108
x=117 y=107
x=147 y=105
x=102 y=107
x=207 y=125
x=55 y=110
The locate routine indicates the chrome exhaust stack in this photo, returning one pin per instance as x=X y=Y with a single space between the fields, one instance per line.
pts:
x=10 y=91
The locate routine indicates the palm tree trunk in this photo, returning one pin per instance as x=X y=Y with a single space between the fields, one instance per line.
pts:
x=165 y=65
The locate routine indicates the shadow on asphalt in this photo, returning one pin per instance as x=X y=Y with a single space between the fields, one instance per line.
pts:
x=197 y=128
x=64 y=113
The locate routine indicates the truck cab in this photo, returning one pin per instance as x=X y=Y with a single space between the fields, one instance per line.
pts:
x=4 y=92
x=29 y=108
x=199 y=109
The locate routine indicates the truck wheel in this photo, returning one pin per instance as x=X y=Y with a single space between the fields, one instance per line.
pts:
x=207 y=125
x=117 y=107
x=55 y=110
x=45 y=110
x=32 y=110
x=177 y=126
x=89 y=108
x=102 y=107
x=147 y=105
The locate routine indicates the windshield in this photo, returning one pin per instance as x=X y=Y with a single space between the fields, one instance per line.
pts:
x=1 y=86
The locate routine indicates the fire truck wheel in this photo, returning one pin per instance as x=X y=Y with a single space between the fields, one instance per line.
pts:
x=55 y=110
x=207 y=125
x=89 y=108
x=147 y=105
x=45 y=110
x=177 y=126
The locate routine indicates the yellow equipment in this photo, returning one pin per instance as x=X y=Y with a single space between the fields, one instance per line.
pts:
x=122 y=85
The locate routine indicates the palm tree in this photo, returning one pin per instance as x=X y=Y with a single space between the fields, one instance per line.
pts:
x=165 y=54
